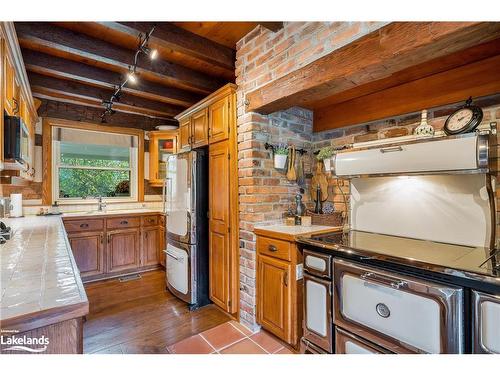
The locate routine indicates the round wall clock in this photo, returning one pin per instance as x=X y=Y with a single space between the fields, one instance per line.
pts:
x=464 y=119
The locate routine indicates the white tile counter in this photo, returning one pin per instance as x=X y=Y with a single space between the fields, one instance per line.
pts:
x=39 y=276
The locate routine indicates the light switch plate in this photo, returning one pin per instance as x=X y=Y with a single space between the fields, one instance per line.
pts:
x=299 y=271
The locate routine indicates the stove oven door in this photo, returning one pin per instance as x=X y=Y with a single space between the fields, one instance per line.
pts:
x=347 y=343
x=486 y=329
x=318 y=312
x=399 y=313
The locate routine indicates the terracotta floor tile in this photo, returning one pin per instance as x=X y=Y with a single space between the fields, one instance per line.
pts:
x=222 y=335
x=284 y=351
x=192 y=345
x=246 y=346
x=268 y=342
x=242 y=328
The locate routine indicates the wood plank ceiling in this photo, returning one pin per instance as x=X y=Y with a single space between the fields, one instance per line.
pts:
x=79 y=64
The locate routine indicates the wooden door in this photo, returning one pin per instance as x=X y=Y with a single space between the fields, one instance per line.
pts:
x=274 y=296
x=123 y=250
x=88 y=250
x=219 y=229
x=150 y=246
x=185 y=134
x=219 y=120
x=199 y=128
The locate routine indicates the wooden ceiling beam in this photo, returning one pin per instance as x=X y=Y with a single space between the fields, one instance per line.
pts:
x=75 y=91
x=57 y=67
x=167 y=36
x=78 y=112
x=272 y=26
x=378 y=55
x=75 y=46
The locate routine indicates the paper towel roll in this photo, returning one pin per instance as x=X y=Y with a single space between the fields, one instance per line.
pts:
x=16 y=205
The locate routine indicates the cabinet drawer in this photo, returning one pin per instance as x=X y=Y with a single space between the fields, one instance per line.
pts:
x=123 y=222
x=274 y=248
x=84 y=225
x=149 y=221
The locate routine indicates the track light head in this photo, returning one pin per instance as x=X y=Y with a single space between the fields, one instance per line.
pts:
x=132 y=77
x=153 y=54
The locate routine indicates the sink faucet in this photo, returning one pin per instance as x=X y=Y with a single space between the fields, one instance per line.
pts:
x=100 y=204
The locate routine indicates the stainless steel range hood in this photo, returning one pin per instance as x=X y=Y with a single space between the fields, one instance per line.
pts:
x=467 y=153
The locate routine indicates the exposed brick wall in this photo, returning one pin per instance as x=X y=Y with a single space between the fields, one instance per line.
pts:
x=265 y=194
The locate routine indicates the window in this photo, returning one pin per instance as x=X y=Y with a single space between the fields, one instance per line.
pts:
x=89 y=164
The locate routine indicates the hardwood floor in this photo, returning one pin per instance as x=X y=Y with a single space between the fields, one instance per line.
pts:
x=141 y=316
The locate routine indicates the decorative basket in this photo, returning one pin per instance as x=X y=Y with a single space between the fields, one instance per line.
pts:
x=333 y=220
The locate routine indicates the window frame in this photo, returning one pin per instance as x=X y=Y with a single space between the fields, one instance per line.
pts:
x=50 y=179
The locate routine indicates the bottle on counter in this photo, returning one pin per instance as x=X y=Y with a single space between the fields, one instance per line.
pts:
x=300 y=209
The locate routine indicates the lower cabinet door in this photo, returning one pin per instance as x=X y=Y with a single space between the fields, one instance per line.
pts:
x=123 y=250
x=150 y=247
x=88 y=250
x=274 y=296
x=163 y=246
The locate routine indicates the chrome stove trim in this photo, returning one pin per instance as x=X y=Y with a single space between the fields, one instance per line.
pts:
x=370 y=255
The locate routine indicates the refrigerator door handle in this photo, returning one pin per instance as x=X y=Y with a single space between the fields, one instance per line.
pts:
x=172 y=255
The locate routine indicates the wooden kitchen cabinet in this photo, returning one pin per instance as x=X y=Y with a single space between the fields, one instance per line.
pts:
x=124 y=250
x=212 y=121
x=219 y=120
x=150 y=246
x=9 y=88
x=161 y=145
x=274 y=296
x=112 y=245
x=88 y=250
x=199 y=128
x=219 y=226
x=185 y=134
x=279 y=290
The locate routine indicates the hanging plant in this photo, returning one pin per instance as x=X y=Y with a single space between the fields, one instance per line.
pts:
x=325 y=154
x=280 y=156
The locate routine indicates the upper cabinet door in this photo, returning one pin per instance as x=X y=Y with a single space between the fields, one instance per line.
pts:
x=199 y=128
x=219 y=120
x=185 y=134
x=9 y=84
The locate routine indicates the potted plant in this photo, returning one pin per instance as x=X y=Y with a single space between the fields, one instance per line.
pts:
x=325 y=154
x=280 y=155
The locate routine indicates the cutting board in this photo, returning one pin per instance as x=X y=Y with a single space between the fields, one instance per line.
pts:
x=319 y=178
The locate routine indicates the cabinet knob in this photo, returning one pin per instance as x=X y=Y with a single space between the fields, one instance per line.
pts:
x=124 y=222
x=84 y=225
x=272 y=248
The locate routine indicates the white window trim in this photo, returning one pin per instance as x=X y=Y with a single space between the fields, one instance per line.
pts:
x=134 y=183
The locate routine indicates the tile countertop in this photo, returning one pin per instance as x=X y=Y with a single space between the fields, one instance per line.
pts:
x=137 y=211
x=291 y=232
x=40 y=282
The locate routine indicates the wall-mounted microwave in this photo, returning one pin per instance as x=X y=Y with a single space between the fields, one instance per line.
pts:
x=16 y=139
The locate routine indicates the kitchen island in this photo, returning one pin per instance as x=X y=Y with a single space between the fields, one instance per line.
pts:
x=43 y=300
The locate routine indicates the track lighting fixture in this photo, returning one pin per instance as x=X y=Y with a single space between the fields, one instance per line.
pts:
x=131 y=75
